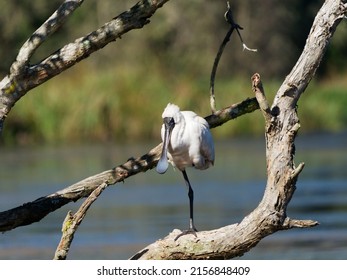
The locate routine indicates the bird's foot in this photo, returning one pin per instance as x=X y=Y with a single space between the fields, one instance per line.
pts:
x=188 y=231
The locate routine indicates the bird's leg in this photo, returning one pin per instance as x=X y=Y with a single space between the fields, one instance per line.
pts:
x=192 y=229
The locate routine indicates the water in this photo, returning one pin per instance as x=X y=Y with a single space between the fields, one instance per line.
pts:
x=146 y=207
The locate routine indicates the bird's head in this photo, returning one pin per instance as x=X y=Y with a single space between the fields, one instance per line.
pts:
x=170 y=117
x=170 y=111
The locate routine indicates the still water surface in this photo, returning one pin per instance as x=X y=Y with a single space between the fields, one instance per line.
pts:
x=146 y=207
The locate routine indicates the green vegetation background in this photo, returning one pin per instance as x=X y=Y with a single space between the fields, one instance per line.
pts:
x=118 y=93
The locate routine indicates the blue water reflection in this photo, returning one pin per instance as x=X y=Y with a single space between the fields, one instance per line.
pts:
x=146 y=207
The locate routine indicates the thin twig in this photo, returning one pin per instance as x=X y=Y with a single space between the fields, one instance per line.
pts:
x=293 y=223
x=229 y=18
x=214 y=69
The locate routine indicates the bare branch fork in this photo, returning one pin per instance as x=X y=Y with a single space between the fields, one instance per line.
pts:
x=24 y=76
x=50 y=26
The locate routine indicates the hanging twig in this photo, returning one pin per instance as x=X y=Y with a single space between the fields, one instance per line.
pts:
x=233 y=25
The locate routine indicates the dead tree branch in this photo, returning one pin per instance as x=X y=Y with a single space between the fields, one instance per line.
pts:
x=72 y=222
x=281 y=125
x=24 y=76
x=51 y=25
x=258 y=90
x=34 y=211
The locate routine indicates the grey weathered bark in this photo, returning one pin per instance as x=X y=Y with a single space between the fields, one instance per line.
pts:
x=24 y=76
x=72 y=222
x=281 y=126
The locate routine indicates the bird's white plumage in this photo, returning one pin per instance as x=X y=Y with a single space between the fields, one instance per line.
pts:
x=170 y=111
x=187 y=141
x=191 y=142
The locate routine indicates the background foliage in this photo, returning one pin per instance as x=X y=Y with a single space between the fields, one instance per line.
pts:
x=118 y=94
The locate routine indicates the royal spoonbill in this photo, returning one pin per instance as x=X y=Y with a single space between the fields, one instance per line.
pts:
x=187 y=141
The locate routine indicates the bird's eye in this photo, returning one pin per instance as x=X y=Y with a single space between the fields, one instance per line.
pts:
x=169 y=120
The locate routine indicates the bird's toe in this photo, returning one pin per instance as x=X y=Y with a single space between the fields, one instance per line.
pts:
x=186 y=232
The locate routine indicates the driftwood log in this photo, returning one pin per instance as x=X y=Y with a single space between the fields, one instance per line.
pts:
x=281 y=127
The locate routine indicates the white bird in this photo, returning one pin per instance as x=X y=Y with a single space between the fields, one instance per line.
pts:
x=187 y=141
